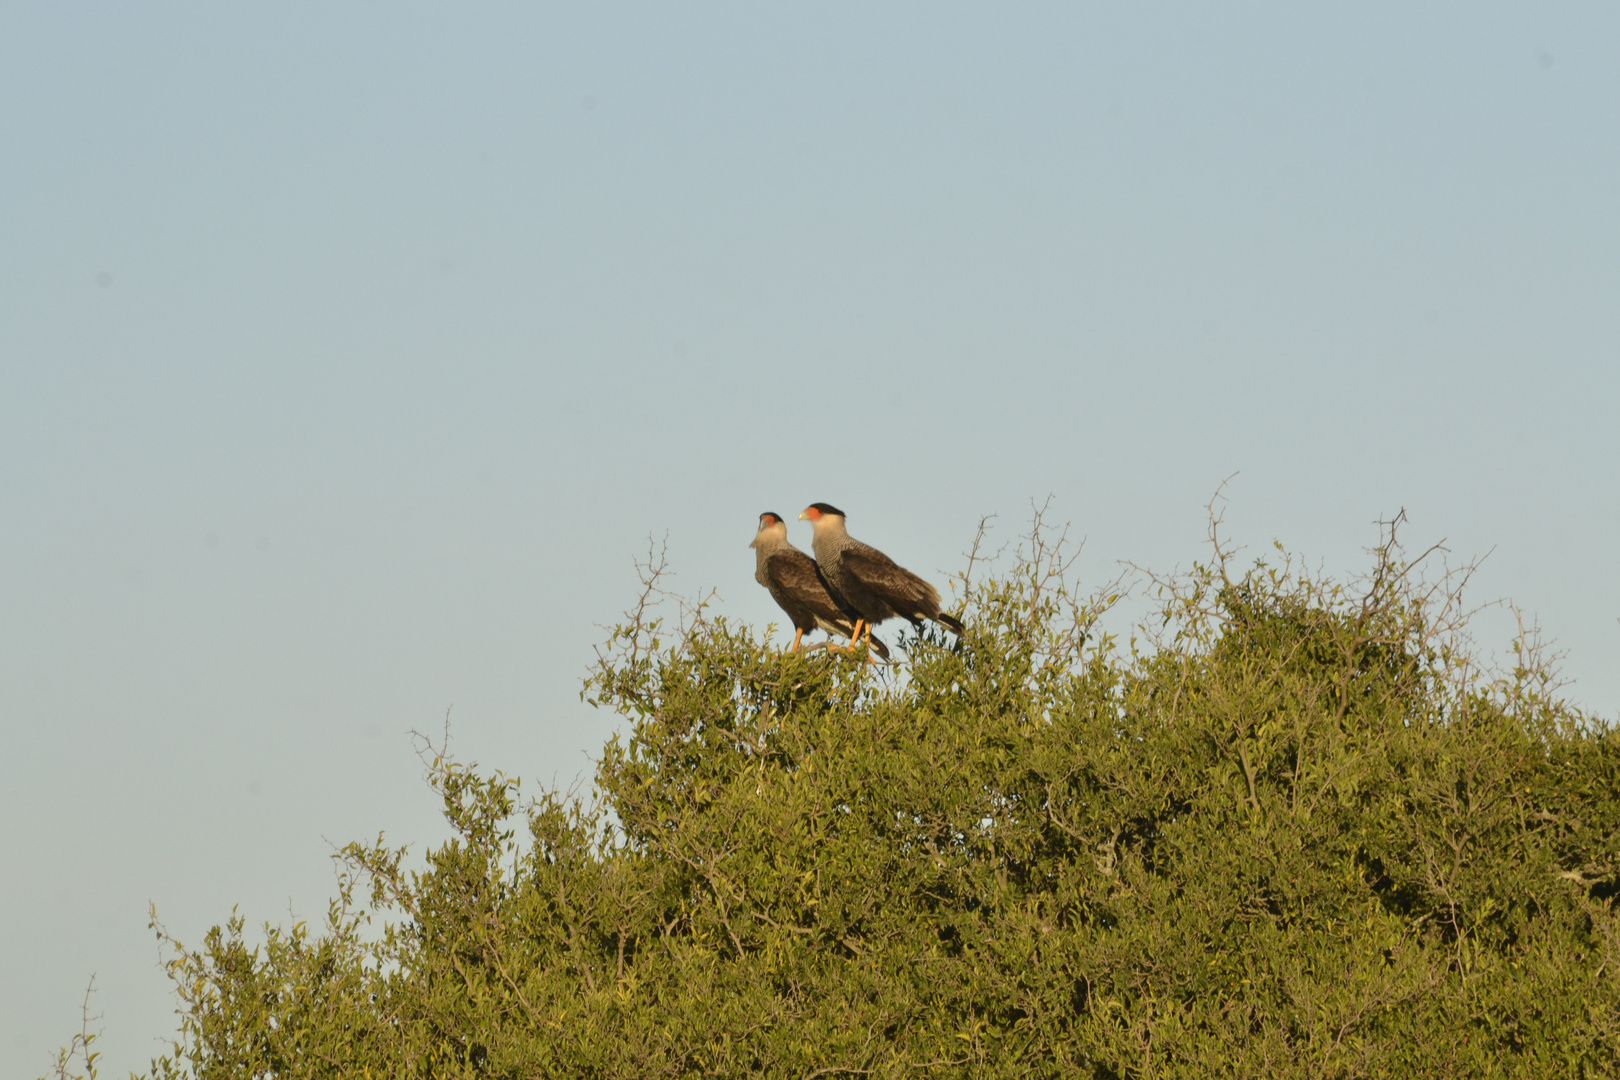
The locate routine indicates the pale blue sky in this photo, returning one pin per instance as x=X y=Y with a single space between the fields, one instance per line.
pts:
x=349 y=355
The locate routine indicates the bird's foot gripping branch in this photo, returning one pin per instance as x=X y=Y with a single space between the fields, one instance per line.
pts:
x=1289 y=827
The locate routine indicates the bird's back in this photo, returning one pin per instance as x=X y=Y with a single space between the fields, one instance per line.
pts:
x=798 y=587
x=856 y=572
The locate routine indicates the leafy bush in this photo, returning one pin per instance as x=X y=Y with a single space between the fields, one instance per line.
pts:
x=1289 y=829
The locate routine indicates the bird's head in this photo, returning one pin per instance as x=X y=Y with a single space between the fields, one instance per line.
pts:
x=819 y=514
x=770 y=525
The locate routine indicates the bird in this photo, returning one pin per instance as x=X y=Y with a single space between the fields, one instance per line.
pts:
x=798 y=587
x=869 y=581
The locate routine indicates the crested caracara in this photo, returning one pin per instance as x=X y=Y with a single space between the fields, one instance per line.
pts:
x=798 y=587
x=868 y=580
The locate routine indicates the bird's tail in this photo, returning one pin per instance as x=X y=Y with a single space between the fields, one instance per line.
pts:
x=951 y=623
x=881 y=649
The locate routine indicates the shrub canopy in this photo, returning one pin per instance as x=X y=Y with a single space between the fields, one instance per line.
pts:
x=1290 y=828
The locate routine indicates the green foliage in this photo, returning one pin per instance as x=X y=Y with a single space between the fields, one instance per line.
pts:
x=1290 y=830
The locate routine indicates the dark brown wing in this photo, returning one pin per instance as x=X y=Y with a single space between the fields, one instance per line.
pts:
x=793 y=580
x=893 y=587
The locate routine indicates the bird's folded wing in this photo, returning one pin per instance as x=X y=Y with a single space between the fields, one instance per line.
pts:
x=795 y=573
x=876 y=570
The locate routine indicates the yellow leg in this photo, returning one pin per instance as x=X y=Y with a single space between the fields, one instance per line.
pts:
x=797 y=634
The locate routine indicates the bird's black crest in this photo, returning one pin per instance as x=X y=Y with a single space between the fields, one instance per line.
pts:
x=827 y=508
x=768 y=514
